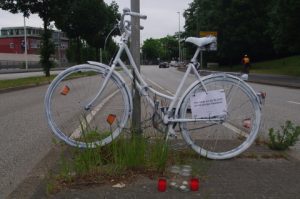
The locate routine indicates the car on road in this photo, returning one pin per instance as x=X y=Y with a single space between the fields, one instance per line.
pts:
x=174 y=63
x=163 y=65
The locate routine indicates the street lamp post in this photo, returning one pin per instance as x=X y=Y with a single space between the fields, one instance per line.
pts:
x=179 y=49
x=25 y=41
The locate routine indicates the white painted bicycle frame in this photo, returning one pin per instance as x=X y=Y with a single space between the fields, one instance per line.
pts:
x=143 y=87
x=170 y=117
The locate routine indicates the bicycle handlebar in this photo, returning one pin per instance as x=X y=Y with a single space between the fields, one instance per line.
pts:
x=126 y=11
x=136 y=14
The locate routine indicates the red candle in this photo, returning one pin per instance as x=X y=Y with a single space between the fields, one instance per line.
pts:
x=162 y=185
x=194 y=184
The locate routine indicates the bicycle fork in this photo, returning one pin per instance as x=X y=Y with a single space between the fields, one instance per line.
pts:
x=108 y=75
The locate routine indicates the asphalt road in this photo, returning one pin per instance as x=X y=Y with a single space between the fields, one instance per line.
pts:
x=26 y=138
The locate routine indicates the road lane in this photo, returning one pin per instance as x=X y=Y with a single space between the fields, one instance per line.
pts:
x=298 y=103
x=25 y=137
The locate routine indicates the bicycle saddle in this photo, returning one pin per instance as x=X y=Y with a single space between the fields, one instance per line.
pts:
x=201 y=42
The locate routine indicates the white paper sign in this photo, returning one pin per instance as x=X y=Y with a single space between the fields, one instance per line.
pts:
x=210 y=104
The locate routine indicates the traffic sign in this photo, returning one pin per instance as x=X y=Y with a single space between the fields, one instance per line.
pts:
x=208 y=33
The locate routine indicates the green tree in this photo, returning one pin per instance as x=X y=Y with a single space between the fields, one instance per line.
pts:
x=44 y=8
x=152 y=50
x=166 y=49
x=88 y=52
x=89 y=20
x=109 y=18
x=241 y=27
x=284 y=26
x=169 y=47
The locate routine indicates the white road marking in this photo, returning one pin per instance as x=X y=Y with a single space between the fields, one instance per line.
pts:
x=160 y=87
x=89 y=117
x=235 y=129
x=292 y=102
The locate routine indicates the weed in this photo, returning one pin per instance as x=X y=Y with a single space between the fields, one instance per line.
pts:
x=50 y=188
x=87 y=160
x=283 y=140
x=158 y=155
x=122 y=157
x=129 y=153
x=65 y=169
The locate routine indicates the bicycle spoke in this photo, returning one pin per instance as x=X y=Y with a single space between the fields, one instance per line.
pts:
x=72 y=121
x=223 y=139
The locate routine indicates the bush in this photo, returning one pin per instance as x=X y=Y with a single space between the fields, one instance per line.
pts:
x=283 y=140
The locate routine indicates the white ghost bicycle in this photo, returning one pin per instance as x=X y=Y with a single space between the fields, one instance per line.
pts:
x=88 y=105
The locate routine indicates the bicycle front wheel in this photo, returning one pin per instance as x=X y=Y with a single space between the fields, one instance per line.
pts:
x=72 y=120
x=235 y=132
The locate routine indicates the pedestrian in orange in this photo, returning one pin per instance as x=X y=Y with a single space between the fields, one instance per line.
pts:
x=246 y=63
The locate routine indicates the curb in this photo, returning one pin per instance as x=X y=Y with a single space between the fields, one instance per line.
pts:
x=7 y=90
x=287 y=85
x=10 y=71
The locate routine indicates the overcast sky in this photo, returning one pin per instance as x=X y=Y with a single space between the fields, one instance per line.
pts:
x=162 y=20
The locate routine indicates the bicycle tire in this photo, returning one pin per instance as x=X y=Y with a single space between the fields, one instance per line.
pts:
x=232 y=136
x=70 y=119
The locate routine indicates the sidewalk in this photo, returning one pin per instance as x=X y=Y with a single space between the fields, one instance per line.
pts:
x=239 y=178
x=257 y=173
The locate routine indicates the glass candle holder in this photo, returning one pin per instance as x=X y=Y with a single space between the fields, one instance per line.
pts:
x=174 y=181
x=185 y=174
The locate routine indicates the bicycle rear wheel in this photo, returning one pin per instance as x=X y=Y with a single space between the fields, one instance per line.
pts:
x=69 y=117
x=232 y=135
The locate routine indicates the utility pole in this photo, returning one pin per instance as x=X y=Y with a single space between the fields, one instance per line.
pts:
x=25 y=42
x=135 y=50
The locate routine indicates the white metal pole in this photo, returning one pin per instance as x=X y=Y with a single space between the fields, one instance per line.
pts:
x=25 y=41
